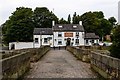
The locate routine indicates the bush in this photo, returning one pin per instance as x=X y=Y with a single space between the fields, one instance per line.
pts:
x=115 y=48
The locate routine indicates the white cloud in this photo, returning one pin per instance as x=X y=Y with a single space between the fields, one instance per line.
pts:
x=61 y=7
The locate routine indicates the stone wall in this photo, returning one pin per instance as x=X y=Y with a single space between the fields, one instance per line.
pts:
x=82 y=54
x=106 y=66
x=37 y=53
x=14 y=66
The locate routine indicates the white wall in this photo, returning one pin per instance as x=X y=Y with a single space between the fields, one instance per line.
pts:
x=37 y=45
x=50 y=42
x=21 y=45
x=90 y=43
x=81 y=39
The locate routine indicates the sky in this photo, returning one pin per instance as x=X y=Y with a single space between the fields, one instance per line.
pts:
x=61 y=8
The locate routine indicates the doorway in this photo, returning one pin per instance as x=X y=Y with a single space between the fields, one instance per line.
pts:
x=68 y=42
x=12 y=46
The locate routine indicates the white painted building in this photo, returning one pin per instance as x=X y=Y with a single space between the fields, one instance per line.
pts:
x=91 y=39
x=68 y=34
x=43 y=36
x=63 y=35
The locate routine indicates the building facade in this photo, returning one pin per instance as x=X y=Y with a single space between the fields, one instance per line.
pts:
x=91 y=39
x=63 y=35
x=43 y=36
x=68 y=35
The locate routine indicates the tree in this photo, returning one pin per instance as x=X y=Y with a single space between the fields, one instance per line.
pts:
x=62 y=21
x=76 y=18
x=69 y=19
x=115 y=48
x=112 y=20
x=104 y=28
x=19 y=27
x=43 y=17
x=98 y=14
x=95 y=22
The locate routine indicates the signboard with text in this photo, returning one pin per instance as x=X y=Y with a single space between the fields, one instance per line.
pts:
x=68 y=34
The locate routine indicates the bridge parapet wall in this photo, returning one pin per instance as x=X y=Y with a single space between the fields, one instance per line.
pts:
x=80 y=53
x=100 y=61
x=106 y=66
x=17 y=62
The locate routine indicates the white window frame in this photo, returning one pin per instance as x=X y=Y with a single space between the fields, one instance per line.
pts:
x=59 y=33
x=36 y=40
x=59 y=40
x=45 y=41
x=76 y=41
x=77 y=34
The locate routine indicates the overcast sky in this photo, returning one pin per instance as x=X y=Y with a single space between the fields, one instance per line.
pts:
x=61 y=7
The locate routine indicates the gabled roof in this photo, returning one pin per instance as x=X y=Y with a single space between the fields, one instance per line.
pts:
x=91 y=36
x=43 y=31
x=68 y=27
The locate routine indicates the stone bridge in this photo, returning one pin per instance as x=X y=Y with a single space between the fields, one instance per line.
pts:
x=74 y=62
x=60 y=64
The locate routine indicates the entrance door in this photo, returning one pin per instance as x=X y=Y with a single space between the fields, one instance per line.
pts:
x=68 y=41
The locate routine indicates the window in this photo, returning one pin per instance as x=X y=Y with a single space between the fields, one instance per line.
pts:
x=36 y=40
x=49 y=38
x=77 y=41
x=77 y=34
x=59 y=34
x=60 y=26
x=59 y=41
x=92 y=41
x=45 y=40
x=74 y=26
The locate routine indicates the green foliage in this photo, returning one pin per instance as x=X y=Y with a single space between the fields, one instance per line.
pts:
x=76 y=18
x=112 y=20
x=115 y=48
x=43 y=17
x=95 y=22
x=21 y=24
x=19 y=27
x=62 y=21
x=69 y=19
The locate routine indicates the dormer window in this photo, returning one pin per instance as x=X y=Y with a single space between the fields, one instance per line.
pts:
x=60 y=26
x=74 y=26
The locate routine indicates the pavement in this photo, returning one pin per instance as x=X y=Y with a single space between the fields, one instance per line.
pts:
x=60 y=64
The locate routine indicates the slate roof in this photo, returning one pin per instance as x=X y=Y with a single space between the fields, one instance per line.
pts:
x=68 y=27
x=43 y=31
x=91 y=36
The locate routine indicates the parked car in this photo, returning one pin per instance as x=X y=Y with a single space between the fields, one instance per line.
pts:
x=105 y=43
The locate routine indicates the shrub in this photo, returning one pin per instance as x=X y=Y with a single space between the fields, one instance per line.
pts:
x=115 y=48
